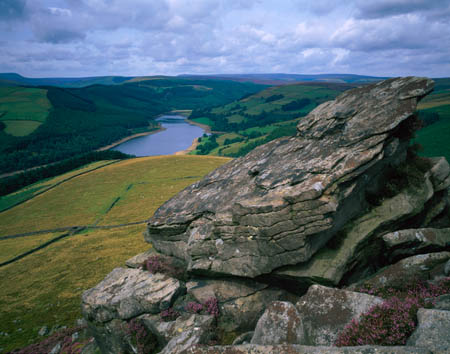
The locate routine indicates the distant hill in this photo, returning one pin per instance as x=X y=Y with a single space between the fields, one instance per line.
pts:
x=261 y=117
x=13 y=79
x=277 y=79
x=44 y=124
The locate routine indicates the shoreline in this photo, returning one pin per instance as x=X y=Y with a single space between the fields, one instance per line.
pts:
x=114 y=144
x=205 y=127
x=189 y=149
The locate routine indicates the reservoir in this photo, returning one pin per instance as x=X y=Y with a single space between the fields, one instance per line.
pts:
x=178 y=135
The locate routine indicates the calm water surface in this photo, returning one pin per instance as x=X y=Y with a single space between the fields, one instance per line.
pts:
x=178 y=136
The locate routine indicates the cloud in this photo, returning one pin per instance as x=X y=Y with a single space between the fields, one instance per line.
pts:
x=387 y=8
x=12 y=10
x=142 y=37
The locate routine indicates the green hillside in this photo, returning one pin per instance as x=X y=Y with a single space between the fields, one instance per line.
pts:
x=44 y=288
x=260 y=118
x=435 y=110
x=47 y=124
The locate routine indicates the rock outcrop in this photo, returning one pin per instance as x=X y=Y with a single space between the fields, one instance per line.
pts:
x=344 y=203
x=284 y=200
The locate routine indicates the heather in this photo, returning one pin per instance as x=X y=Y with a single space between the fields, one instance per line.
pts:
x=392 y=322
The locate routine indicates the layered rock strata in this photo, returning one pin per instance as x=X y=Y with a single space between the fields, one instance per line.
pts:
x=283 y=201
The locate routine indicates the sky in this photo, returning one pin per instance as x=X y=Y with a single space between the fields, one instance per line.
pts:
x=78 y=38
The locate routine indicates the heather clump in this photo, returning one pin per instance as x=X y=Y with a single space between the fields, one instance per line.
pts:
x=140 y=338
x=68 y=344
x=392 y=322
x=212 y=306
x=159 y=264
x=169 y=315
x=193 y=307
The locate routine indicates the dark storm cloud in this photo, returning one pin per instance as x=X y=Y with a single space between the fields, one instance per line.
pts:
x=386 y=8
x=12 y=10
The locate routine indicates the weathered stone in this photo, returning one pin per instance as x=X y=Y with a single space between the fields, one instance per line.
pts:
x=447 y=268
x=56 y=349
x=440 y=173
x=186 y=322
x=111 y=337
x=413 y=241
x=329 y=265
x=43 y=331
x=326 y=311
x=184 y=341
x=244 y=338
x=441 y=302
x=280 y=324
x=139 y=259
x=420 y=267
x=241 y=302
x=303 y=349
x=222 y=289
x=126 y=293
x=283 y=201
x=432 y=331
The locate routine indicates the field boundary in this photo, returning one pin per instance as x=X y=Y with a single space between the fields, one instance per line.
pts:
x=72 y=231
x=57 y=184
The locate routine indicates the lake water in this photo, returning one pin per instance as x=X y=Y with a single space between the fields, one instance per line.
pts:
x=178 y=136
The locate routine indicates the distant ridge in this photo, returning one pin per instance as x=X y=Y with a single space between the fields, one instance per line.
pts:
x=280 y=78
x=14 y=79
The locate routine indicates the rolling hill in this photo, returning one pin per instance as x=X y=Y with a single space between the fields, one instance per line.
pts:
x=44 y=124
x=261 y=117
x=109 y=202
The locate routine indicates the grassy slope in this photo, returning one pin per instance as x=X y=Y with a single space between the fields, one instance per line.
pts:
x=85 y=119
x=32 y=190
x=23 y=110
x=435 y=137
x=45 y=288
x=257 y=103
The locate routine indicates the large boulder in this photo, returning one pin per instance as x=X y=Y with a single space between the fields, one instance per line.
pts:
x=280 y=324
x=326 y=311
x=283 y=201
x=126 y=293
x=433 y=331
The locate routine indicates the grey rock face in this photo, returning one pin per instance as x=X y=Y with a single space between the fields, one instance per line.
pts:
x=127 y=293
x=303 y=349
x=241 y=302
x=328 y=266
x=280 y=324
x=420 y=267
x=166 y=331
x=138 y=260
x=447 y=268
x=283 y=201
x=187 y=330
x=326 y=311
x=441 y=302
x=413 y=241
x=432 y=331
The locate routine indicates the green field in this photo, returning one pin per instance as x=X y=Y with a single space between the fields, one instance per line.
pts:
x=261 y=117
x=23 y=110
x=32 y=190
x=76 y=121
x=435 y=138
x=44 y=288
